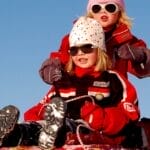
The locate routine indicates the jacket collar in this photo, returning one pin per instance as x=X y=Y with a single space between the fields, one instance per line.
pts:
x=81 y=72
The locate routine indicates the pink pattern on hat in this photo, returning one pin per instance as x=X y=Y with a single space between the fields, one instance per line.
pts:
x=93 y=2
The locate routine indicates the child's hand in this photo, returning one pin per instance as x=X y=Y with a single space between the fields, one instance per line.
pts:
x=135 y=54
x=93 y=115
x=50 y=70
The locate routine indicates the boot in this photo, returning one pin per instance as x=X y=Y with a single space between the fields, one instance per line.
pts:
x=25 y=134
x=54 y=117
x=8 y=118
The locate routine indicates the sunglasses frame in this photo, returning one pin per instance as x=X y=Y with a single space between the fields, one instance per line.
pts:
x=103 y=7
x=86 y=49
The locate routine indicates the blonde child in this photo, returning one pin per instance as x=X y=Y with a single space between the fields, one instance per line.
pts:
x=92 y=101
x=98 y=99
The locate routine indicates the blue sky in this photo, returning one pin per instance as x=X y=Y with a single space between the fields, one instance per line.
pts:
x=31 y=29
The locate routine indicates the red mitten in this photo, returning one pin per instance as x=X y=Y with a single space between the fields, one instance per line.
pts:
x=93 y=115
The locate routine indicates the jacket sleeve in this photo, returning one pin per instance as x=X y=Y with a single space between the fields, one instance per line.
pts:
x=125 y=111
x=62 y=52
x=36 y=112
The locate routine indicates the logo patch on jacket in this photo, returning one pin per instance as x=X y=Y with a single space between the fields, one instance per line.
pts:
x=101 y=84
x=129 y=107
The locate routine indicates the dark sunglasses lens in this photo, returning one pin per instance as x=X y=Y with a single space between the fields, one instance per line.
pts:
x=110 y=8
x=88 y=48
x=73 y=51
x=96 y=8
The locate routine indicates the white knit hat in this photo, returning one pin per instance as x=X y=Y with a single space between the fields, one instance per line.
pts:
x=87 y=31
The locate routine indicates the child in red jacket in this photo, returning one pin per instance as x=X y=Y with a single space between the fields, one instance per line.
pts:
x=91 y=100
x=128 y=53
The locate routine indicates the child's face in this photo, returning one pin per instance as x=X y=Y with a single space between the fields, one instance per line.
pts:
x=85 y=60
x=107 y=19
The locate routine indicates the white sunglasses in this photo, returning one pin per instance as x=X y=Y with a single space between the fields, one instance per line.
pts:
x=109 y=7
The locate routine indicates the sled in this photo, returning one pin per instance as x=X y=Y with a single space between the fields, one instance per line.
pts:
x=79 y=147
x=145 y=133
x=138 y=136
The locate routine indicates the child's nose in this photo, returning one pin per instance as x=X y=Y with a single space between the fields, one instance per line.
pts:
x=80 y=52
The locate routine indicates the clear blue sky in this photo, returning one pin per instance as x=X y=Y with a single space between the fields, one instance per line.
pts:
x=30 y=29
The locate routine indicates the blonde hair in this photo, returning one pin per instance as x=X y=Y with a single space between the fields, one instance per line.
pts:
x=103 y=62
x=123 y=18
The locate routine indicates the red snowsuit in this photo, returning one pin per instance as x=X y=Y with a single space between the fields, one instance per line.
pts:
x=117 y=108
x=114 y=39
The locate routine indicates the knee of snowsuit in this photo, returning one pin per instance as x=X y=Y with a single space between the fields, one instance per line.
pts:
x=25 y=134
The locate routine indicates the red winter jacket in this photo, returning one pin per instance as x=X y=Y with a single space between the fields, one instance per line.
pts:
x=114 y=39
x=110 y=114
